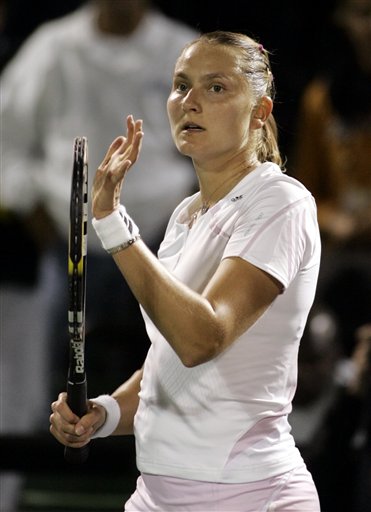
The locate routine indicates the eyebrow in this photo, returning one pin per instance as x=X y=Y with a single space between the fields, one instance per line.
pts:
x=208 y=76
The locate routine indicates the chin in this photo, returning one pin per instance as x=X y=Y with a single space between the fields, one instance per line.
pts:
x=184 y=149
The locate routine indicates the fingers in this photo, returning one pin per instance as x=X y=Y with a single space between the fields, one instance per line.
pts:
x=62 y=420
x=124 y=150
x=108 y=180
x=111 y=150
x=137 y=142
x=132 y=127
x=68 y=428
x=131 y=145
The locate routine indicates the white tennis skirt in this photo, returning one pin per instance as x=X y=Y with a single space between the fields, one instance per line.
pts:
x=290 y=492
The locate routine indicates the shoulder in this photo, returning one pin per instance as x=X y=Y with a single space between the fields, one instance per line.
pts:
x=51 y=37
x=66 y=25
x=167 y=34
x=64 y=30
x=269 y=183
x=171 y=26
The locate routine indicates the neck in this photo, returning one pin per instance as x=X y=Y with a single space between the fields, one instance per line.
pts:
x=119 y=18
x=216 y=185
x=219 y=191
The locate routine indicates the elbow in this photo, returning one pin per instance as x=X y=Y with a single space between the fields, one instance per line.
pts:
x=190 y=361
x=200 y=354
x=203 y=342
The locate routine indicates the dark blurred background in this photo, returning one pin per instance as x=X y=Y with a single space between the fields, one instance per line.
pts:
x=296 y=35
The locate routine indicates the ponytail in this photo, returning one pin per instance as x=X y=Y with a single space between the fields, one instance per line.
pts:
x=268 y=145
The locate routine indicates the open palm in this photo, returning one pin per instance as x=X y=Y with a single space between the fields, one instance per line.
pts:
x=108 y=180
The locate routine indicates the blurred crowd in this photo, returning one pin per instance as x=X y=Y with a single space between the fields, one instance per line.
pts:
x=80 y=73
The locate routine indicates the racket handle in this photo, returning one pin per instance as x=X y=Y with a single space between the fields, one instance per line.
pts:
x=77 y=401
x=76 y=455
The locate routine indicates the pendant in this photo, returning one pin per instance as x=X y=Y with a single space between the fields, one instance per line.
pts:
x=204 y=209
x=201 y=211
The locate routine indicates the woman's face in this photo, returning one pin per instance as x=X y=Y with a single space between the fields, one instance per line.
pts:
x=210 y=103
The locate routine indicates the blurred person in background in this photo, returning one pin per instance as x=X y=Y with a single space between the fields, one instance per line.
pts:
x=331 y=417
x=319 y=355
x=52 y=93
x=320 y=361
x=17 y=372
x=360 y=391
x=333 y=159
x=76 y=76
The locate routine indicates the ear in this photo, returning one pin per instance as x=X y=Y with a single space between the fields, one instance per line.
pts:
x=261 y=113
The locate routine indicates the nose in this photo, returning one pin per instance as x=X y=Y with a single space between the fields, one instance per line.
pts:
x=191 y=101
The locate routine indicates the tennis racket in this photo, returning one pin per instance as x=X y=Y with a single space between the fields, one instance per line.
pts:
x=77 y=250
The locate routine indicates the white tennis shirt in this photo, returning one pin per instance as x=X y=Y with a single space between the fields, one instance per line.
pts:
x=226 y=420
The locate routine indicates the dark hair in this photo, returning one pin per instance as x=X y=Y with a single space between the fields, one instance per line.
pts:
x=257 y=70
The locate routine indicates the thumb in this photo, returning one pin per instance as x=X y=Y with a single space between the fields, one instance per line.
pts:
x=82 y=427
x=94 y=418
x=85 y=424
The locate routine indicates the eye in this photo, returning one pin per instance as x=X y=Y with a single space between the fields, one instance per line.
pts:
x=217 y=88
x=181 y=87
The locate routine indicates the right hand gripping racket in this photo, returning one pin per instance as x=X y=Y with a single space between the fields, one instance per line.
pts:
x=77 y=251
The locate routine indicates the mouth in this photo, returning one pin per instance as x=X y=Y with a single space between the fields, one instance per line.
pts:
x=192 y=127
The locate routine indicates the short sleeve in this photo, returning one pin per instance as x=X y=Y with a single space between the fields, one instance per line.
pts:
x=279 y=242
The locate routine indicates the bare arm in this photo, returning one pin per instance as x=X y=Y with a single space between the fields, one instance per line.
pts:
x=127 y=396
x=198 y=326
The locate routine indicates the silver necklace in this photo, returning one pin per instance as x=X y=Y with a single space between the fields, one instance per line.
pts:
x=205 y=206
x=200 y=211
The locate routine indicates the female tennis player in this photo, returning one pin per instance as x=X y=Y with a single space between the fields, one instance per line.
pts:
x=225 y=302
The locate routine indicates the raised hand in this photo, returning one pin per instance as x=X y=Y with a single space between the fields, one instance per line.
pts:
x=108 y=180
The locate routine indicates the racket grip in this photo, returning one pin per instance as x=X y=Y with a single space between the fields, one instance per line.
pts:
x=76 y=455
x=77 y=401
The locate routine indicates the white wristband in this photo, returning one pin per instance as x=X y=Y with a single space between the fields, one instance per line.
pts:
x=116 y=231
x=112 y=417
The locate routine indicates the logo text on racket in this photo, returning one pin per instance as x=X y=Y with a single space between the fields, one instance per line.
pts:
x=78 y=349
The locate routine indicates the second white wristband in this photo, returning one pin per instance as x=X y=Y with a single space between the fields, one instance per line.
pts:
x=116 y=230
x=113 y=415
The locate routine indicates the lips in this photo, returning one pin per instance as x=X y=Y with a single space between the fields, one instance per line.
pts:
x=189 y=127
